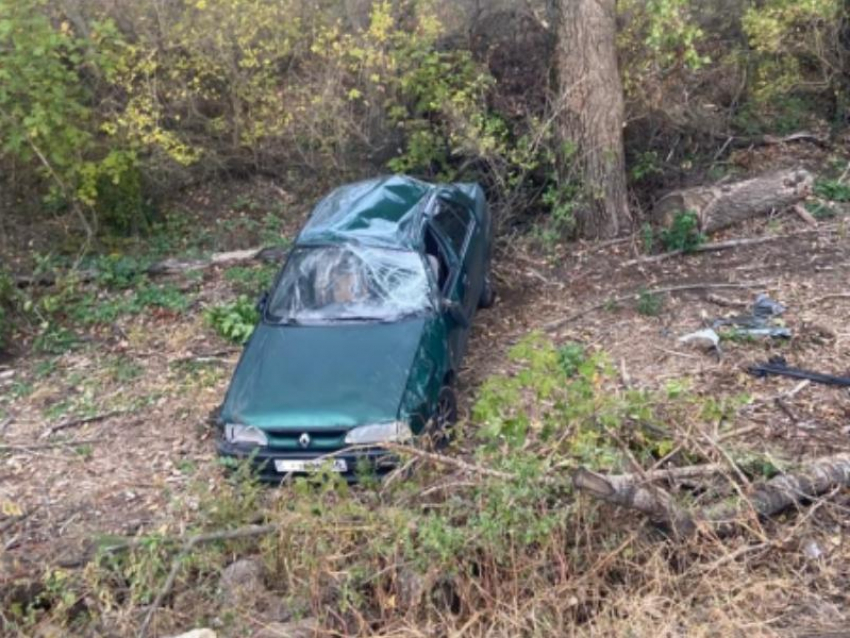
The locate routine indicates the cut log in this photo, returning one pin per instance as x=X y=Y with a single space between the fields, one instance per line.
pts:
x=722 y=205
x=766 y=499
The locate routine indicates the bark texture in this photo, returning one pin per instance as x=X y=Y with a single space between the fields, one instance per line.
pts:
x=766 y=499
x=592 y=114
x=723 y=205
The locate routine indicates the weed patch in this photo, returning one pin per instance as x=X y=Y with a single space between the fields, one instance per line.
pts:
x=234 y=321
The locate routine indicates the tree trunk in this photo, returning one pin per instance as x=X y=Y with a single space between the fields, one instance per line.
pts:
x=592 y=115
x=723 y=205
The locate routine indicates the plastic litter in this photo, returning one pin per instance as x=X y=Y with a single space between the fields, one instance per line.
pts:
x=706 y=339
x=778 y=366
x=761 y=322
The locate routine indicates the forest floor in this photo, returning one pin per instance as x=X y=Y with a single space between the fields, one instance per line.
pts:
x=110 y=438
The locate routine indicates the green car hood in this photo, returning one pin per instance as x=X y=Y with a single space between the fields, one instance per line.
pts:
x=335 y=376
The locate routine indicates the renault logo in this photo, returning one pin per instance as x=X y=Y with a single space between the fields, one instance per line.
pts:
x=304 y=440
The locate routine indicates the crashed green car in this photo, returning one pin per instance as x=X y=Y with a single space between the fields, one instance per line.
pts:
x=363 y=332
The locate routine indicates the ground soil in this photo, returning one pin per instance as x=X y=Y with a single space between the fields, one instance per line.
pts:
x=142 y=469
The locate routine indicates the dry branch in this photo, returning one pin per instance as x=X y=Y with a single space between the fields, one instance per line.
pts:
x=722 y=205
x=172 y=266
x=559 y=323
x=188 y=545
x=73 y=423
x=765 y=499
x=717 y=246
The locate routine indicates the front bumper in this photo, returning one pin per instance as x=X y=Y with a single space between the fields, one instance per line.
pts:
x=374 y=460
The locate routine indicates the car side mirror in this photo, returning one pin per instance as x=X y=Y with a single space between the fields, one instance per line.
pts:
x=455 y=311
x=262 y=302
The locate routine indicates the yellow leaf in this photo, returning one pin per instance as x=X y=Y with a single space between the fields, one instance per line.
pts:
x=10 y=508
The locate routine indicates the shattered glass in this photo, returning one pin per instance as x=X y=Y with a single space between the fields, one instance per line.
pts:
x=350 y=282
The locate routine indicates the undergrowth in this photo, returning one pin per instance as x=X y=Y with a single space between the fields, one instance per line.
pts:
x=508 y=549
x=234 y=321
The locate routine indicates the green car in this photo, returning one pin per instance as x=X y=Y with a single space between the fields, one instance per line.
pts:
x=363 y=332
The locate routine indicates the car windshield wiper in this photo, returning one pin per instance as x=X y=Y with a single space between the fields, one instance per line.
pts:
x=285 y=321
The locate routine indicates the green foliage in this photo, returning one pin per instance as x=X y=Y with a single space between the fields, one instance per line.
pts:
x=555 y=398
x=659 y=38
x=234 y=321
x=795 y=43
x=118 y=272
x=683 y=234
x=9 y=299
x=251 y=280
x=649 y=304
x=832 y=190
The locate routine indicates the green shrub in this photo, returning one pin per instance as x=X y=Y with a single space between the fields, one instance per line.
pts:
x=832 y=190
x=234 y=321
x=649 y=304
x=8 y=299
x=683 y=234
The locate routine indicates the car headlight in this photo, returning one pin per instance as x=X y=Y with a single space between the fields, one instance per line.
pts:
x=245 y=434
x=392 y=432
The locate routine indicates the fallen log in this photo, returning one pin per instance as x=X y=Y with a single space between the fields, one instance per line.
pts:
x=721 y=205
x=771 y=497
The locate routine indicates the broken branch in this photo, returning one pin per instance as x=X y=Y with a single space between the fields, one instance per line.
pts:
x=73 y=423
x=766 y=499
x=717 y=246
x=559 y=323
x=188 y=545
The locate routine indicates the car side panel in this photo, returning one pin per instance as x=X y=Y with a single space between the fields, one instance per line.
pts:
x=430 y=367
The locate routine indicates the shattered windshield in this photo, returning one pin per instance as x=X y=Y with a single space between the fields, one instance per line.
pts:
x=328 y=283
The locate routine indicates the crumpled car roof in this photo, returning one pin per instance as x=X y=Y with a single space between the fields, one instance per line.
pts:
x=385 y=211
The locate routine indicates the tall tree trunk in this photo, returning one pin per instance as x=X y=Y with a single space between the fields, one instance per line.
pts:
x=592 y=115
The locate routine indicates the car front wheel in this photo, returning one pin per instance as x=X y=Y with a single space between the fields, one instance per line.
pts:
x=488 y=294
x=444 y=417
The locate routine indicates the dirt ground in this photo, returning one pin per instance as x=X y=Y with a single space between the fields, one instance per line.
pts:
x=152 y=379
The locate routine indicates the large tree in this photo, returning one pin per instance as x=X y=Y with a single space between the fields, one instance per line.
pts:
x=592 y=115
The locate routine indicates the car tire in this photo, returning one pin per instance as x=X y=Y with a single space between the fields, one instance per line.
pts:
x=488 y=294
x=444 y=417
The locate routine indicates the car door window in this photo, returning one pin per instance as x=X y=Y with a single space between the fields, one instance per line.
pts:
x=437 y=260
x=453 y=222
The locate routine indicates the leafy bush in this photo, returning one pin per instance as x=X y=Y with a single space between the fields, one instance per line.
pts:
x=251 y=280
x=832 y=190
x=9 y=297
x=683 y=234
x=649 y=304
x=797 y=46
x=234 y=321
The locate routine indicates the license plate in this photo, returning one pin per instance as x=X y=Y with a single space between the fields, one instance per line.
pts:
x=285 y=466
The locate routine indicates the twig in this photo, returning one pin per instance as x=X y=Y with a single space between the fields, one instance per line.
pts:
x=188 y=545
x=805 y=215
x=733 y=556
x=559 y=323
x=843 y=295
x=14 y=520
x=441 y=459
x=73 y=423
x=723 y=301
x=716 y=246
x=46 y=446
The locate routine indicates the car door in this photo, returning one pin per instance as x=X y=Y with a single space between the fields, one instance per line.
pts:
x=453 y=226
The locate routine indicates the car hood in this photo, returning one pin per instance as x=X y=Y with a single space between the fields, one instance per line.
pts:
x=329 y=376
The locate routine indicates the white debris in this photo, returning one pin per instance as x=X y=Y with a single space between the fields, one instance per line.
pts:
x=705 y=340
